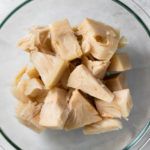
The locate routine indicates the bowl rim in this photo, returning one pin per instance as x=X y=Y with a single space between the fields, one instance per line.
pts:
x=145 y=129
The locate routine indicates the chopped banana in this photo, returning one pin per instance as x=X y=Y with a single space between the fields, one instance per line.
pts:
x=98 y=68
x=54 y=111
x=49 y=67
x=28 y=114
x=34 y=88
x=81 y=78
x=124 y=100
x=101 y=39
x=116 y=82
x=64 y=41
x=81 y=112
x=120 y=62
x=108 y=110
x=106 y=125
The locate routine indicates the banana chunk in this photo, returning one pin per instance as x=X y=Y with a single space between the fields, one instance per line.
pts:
x=28 y=114
x=106 y=125
x=81 y=112
x=49 y=67
x=64 y=41
x=124 y=100
x=34 y=88
x=120 y=62
x=81 y=78
x=98 y=68
x=108 y=110
x=54 y=112
x=116 y=82
x=101 y=39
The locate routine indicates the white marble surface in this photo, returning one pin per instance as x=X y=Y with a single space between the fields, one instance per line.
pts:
x=142 y=8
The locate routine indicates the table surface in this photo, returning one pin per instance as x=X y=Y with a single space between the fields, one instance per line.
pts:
x=142 y=8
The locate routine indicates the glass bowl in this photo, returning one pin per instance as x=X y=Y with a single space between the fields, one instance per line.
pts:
x=43 y=12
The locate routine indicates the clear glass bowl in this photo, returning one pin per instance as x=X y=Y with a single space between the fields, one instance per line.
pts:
x=43 y=12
